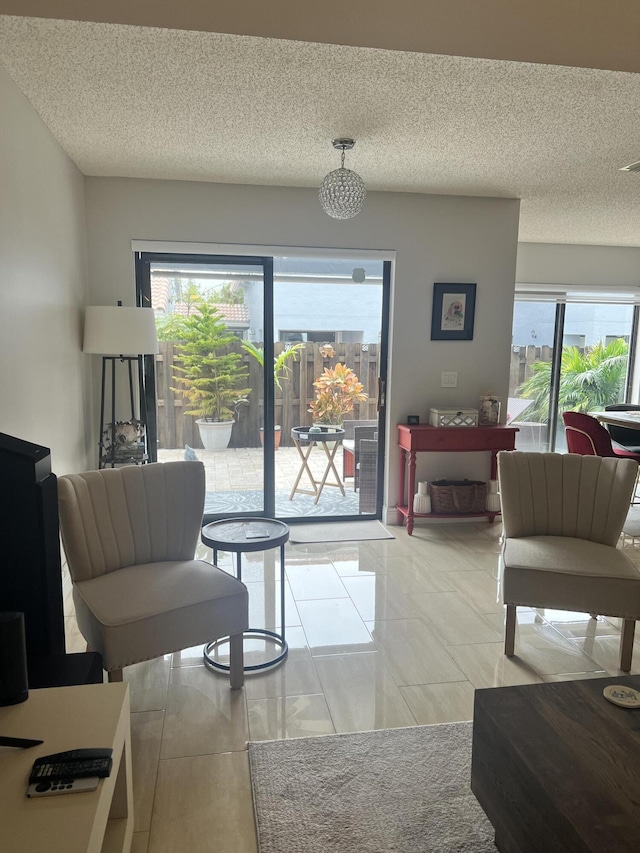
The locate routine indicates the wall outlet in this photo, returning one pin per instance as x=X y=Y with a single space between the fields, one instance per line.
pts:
x=449 y=379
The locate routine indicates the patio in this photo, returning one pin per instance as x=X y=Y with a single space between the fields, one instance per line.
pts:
x=234 y=482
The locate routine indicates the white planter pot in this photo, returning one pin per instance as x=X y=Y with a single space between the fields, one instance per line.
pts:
x=215 y=435
x=330 y=444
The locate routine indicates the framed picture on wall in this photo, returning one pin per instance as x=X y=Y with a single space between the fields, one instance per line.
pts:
x=454 y=307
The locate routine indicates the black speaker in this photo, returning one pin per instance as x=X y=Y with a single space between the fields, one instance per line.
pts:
x=14 y=686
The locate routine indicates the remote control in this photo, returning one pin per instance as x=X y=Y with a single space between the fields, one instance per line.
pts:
x=73 y=764
x=62 y=786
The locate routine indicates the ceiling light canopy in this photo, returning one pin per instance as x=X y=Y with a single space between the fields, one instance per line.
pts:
x=342 y=192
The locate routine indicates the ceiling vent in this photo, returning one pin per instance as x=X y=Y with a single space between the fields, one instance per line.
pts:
x=633 y=167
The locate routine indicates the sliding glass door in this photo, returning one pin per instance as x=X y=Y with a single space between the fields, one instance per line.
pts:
x=212 y=395
x=321 y=324
x=531 y=371
x=330 y=316
x=567 y=355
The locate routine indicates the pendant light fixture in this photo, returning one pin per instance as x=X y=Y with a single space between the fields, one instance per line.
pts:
x=342 y=192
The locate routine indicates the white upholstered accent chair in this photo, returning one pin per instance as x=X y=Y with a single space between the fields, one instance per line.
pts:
x=130 y=536
x=562 y=516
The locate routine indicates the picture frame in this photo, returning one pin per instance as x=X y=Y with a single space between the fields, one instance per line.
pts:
x=413 y=420
x=453 y=312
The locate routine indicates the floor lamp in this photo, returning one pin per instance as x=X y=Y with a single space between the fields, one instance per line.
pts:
x=122 y=335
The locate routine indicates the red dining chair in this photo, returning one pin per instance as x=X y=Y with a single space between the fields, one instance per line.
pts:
x=586 y=436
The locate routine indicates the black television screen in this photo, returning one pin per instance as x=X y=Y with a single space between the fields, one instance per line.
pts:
x=30 y=565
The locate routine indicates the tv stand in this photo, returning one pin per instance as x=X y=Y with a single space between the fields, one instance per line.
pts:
x=64 y=670
x=100 y=821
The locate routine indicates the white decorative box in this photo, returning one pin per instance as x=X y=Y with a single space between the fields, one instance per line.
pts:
x=453 y=417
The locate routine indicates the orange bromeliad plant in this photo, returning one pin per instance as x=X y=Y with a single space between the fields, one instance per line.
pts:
x=337 y=390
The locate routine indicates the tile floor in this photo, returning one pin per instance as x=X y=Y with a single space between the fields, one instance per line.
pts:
x=382 y=634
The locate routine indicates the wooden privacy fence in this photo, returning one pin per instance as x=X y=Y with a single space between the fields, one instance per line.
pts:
x=522 y=361
x=176 y=428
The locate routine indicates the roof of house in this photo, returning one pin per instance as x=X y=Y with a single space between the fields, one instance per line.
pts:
x=235 y=315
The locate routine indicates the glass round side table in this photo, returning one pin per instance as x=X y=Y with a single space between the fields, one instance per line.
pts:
x=240 y=536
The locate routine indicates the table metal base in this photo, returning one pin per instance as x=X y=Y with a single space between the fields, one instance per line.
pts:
x=231 y=535
x=257 y=667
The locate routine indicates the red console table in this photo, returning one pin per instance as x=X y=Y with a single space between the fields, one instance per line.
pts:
x=430 y=439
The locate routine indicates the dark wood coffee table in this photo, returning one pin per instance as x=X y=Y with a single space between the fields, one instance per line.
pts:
x=556 y=767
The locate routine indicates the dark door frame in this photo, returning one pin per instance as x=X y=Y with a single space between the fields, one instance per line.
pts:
x=143 y=263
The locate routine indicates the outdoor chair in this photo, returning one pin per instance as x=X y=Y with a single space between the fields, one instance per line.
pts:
x=368 y=475
x=348 y=444
x=130 y=536
x=360 y=434
x=562 y=516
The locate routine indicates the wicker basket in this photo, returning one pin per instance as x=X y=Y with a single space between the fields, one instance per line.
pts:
x=458 y=496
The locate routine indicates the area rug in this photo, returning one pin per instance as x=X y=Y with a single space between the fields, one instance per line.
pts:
x=401 y=790
x=338 y=531
x=331 y=502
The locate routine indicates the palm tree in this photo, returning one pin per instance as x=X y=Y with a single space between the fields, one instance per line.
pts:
x=589 y=380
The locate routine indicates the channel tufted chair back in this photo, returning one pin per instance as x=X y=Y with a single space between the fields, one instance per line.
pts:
x=562 y=516
x=553 y=494
x=118 y=517
x=130 y=536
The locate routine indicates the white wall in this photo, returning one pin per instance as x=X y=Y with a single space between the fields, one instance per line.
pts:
x=436 y=238
x=44 y=388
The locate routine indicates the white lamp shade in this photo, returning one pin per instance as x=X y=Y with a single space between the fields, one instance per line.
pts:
x=114 y=330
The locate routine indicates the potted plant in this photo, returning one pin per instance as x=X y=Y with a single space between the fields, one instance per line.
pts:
x=207 y=376
x=337 y=390
x=281 y=370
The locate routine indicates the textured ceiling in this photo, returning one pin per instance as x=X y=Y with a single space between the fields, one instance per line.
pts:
x=159 y=103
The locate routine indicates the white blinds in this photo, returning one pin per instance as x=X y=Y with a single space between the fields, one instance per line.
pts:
x=544 y=292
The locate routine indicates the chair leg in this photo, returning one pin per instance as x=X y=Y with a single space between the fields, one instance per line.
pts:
x=626 y=644
x=510 y=631
x=236 y=661
x=115 y=675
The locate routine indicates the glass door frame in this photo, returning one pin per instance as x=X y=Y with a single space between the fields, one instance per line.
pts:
x=145 y=259
x=556 y=362
x=143 y=264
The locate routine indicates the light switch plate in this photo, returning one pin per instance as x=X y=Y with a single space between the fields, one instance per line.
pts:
x=449 y=379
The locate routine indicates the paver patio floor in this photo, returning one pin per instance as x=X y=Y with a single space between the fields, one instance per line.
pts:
x=240 y=470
